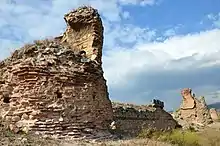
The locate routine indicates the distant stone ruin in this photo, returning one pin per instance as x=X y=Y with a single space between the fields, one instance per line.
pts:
x=193 y=110
x=188 y=100
x=214 y=114
x=46 y=90
x=131 y=119
x=157 y=103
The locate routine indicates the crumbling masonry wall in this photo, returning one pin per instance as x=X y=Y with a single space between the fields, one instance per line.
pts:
x=45 y=89
x=131 y=119
x=84 y=31
x=193 y=110
x=214 y=114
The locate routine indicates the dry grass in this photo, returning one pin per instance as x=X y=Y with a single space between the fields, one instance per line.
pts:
x=178 y=137
x=135 y=142
x=208 y=137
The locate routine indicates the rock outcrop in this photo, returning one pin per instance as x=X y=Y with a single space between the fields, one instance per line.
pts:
x=44 y=88
x=130 y=119
x=193 y=110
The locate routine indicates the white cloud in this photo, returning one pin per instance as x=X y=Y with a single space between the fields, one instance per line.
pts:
x=163 y=68
x=32 y=20
x=150 y=56
x=215 y=19
x=170 y=32
x=135 y=2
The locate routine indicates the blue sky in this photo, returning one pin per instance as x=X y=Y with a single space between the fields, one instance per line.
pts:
x=152 y=48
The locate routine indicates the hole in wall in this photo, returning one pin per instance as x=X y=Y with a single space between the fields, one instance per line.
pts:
x=64 y=127
x=94 y=96
x=6 y=98
x=58 y=93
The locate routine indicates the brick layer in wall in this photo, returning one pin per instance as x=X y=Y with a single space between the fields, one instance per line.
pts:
x=84 y=31
x=131 y=119
x=54 y=95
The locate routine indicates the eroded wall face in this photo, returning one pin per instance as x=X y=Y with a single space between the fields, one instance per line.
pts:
x=51 y=103
x=84 y=31
x=47 y=90
x=193 y=110
x=80 y=39
x=131 y=120
x=214 y=114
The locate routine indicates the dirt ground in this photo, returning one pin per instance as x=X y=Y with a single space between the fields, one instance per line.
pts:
x=7 y=138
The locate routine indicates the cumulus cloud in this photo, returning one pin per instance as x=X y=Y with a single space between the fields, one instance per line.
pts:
x=163 y=68
x=24 y=21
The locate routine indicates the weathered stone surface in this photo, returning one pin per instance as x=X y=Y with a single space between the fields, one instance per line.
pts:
x=157 y=103
x=44 y=87
x=193 y=110
x=84 y=31
x=131 y=119
x=188 y=100
x=214 y=114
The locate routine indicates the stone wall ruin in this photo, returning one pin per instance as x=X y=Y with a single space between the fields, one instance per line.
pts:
x=44 y=89
x=192 y=110
x=214 y=114
x=131 y=119
x=157 y=103
x=84 y=31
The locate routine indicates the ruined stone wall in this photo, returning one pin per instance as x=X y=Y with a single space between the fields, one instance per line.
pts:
x=193 y=110
x=51 y=93
x=44 y=88
x=131 y=119
x=214 y=114
x=157 y=103
x=84 y=31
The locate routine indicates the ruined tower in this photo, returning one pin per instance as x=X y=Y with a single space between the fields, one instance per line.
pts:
x=84 y=31
x=193 y=110
x=45 y=89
